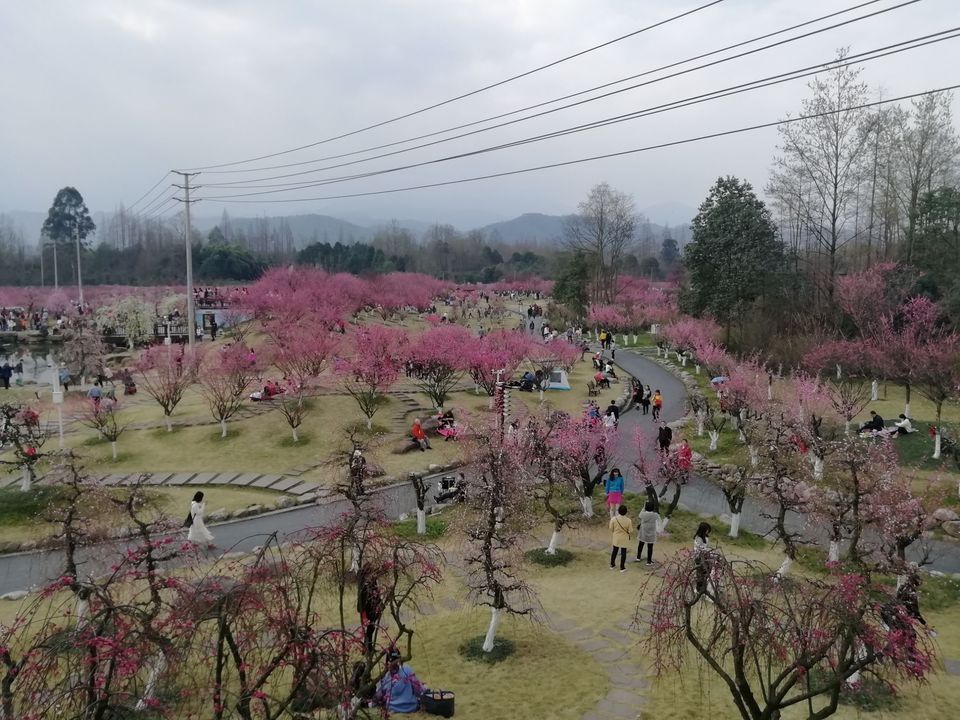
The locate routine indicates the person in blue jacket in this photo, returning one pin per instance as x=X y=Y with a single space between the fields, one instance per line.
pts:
x=399 y=690
x=614 y=488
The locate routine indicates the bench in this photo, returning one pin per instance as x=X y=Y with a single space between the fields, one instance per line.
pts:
x=592 y=389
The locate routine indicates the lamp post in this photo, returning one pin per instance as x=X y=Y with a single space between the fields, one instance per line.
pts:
x=76 y=237
x=58 y=400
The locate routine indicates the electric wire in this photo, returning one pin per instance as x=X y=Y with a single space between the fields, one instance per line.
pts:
x=156 y=203
x=790 y=76
x=595 y=88
x=606 y=156
x=471 y=93
x=148 y=192
x=569 y=105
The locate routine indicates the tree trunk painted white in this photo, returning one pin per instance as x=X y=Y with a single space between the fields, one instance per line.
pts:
x=370 y=423
x=697 y=368
x=25 y=482
x=157 y=665
x=839 y=372
x=80 y=611
x=662 y=525
x=769 y=391
x=874 y=391
x=683 y=360
x=554 y=542
x=587 y=505
x=223 y=428
x=169 y=424
x=817 y=467
x=421 y=522
x=906 y=409
x=476 y=389
x=936 y=444
x=355 y=559
x=714 y=437
x=113 y=448
x=833 y=555
x=701 y=419
x=491 y=637
x=734 y=525
x=846 y=427
x=634 y=339
x=541 y=394
x=784 y=567
x=741 y=436
x=754 y=455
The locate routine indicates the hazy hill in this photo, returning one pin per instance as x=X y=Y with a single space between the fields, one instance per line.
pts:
x=533 y=228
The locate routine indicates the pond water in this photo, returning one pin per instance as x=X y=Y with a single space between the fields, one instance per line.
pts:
x=37 y=361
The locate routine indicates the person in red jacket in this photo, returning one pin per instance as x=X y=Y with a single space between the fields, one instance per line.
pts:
x=684 y=456
x=419 y=436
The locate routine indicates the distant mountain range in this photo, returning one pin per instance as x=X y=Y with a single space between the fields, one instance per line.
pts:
x=527 y=229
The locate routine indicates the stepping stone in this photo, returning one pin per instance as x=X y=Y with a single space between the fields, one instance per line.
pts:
x=562 y=623
x=159 y=478
x=450 y=604
x=224 y=478
x=204 y=478
x=265 y=481
x=629 y=682
x=594 y=644
x=111 y=480
x=610 y=655
x=427 y=609
x=302 y=488
x=616 y=636
x=621 y=712
x=952 y=667
x=180 y=479
x=624 y=697
x=285 y=484
x=245 y=479
x=579 y=634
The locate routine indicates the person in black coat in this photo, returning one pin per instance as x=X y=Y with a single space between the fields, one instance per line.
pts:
x=664 y=437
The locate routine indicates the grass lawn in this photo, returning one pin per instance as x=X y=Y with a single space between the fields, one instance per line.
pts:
x=21 y=514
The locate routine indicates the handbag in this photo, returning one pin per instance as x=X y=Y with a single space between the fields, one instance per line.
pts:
x=189 y=521
x=438 y=702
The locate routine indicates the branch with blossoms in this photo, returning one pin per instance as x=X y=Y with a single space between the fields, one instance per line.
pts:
x=776 y=645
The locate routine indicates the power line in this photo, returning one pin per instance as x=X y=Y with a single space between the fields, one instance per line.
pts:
x=167 y=205
x=606 y=156
x=155 y=186
x=810 y=70
x=568 y=96
x=471 y=93
x=160 y=200
x=574 y=104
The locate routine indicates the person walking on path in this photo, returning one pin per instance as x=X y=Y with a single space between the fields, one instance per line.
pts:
x=198 y=533
x=647 y=524
x=664 y=438
x=613 y=486
x=622 y=532
x=645 y=399
x=702 y=557
x=657 y=405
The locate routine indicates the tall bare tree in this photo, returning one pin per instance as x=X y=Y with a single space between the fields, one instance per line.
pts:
x=927 y=149
x=819 y=171
x=603 y=230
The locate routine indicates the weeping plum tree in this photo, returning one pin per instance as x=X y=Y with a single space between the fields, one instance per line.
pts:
x=499 y=514
x=372 y=366
x=225 y=379
x=166 y=373
x=438 y=360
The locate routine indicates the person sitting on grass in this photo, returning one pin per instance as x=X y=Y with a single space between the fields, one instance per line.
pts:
x=903 y=425
x=399 y=690
x=419 y=436
x=874 y=424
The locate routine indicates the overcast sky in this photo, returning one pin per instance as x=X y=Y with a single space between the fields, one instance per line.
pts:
x=107 y=95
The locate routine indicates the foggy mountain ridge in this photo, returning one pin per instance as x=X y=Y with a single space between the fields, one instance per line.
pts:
x=526 y=229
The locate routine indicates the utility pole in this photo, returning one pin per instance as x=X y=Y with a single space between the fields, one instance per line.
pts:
x=76 y=237
x=191 y=319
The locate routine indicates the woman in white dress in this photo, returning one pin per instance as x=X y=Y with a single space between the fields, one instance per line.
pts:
x=198 y=533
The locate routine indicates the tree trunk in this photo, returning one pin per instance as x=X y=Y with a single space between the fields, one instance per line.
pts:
x=421 y=522
x=296 y=436
x=169 y=424
x=906 y=406
x=113 y=448
x=936 y=444
x=714 y=437
x=734 y=525
x=223 y=428
x=491 y=637
x=80 y=611
x=157 y=665
x=700 y=421
x=662 y=525
x=587 y=504
x=25 y=480
x=754 y=455
x=370 y=423
x=784 y=567
x=874 y=391
x=817 y=467
x=697 y=368
x=554 y=541
x=833 y=555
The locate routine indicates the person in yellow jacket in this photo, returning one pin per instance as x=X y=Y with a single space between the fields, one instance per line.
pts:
x=622 y=528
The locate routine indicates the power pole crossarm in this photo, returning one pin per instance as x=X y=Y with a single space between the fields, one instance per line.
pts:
x=188 y=232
